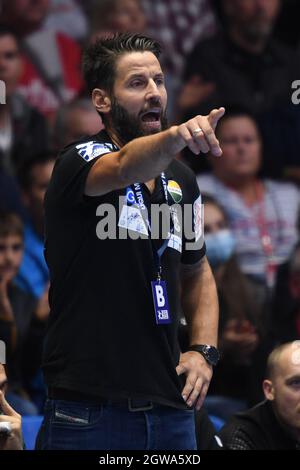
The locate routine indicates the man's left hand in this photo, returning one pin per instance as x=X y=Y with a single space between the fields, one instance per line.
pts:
x=198 y=376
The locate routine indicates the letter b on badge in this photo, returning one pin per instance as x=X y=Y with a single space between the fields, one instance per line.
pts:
x=161 y=304
x=160 y=296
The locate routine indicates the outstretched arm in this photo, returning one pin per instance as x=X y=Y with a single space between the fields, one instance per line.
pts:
x=144 y=158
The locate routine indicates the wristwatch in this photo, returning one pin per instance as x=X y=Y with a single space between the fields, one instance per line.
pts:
x=210 y=353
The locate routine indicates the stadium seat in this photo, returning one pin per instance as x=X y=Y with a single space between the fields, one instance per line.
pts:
x=217 y=422
x=30 y=428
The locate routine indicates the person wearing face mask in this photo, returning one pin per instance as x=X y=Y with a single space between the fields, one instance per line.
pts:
x=262 y=213
x=220 y=246
x=236 y=378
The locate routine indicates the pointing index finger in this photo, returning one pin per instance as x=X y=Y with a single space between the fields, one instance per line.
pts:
x=215 y=115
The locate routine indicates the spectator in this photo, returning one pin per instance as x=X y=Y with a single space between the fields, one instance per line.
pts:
x=10 y=198
x=178 y=25
x=67 y=17
x=245 y=66
x=12 y=440
x=16 y=310
x=275 y=423
x=262 y=213
x=118 y=16
x=33 y=276
x=242 y=327
x=23 y=131
x=74 y=120
x=51 y=66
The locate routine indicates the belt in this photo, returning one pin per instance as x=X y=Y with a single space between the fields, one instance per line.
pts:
x=132 y=404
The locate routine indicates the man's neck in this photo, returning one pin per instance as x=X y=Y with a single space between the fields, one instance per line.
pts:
x=150 y=185
x=114 y=136
x=253 y=47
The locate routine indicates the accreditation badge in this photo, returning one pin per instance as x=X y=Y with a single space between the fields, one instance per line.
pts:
x=161 y=304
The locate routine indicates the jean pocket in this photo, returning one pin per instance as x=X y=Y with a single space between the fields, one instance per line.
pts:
x=75 y=414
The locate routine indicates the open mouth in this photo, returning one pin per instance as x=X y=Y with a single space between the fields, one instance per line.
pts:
x=151 y=116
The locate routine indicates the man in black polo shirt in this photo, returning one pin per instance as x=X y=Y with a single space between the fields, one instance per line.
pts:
x=112 y=361
x=275 y=423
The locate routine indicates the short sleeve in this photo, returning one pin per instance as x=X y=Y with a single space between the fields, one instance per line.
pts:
x=70 y=172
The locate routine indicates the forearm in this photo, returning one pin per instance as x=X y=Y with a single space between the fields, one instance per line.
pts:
x=145 y=158
x=200 y=305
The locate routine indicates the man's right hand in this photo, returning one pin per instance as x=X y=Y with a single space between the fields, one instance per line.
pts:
x=13 y=440
x=198 y=134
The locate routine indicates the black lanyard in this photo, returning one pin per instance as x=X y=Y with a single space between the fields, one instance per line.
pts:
x=139 y=198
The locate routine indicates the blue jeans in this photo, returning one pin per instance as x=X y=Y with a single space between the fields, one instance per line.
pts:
x=69 y=425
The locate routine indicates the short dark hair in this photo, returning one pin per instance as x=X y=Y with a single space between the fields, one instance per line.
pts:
x=208 y=199
x=99 y=58
x=7 y=31
x=10 y=224
x=236 y=112
x=24 y=173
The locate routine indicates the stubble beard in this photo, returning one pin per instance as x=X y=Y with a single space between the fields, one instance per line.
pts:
x=129 y=127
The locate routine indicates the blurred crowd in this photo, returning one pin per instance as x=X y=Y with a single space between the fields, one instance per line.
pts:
x=234 y=53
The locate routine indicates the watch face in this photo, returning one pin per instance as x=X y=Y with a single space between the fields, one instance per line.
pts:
x=212 y=354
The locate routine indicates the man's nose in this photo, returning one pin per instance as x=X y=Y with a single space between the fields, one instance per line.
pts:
x=152 y=91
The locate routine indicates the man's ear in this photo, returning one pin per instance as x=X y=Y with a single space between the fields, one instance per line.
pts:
x=269 y=390
x=101 y=100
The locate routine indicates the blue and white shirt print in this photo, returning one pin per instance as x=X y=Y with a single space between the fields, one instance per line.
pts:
x=90 y=150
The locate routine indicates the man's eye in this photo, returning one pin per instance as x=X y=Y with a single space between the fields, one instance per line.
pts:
x=136 y=83
x=160 y=81
x=295 y=383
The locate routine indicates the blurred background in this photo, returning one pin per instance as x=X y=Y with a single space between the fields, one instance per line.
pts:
x=241 y=54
